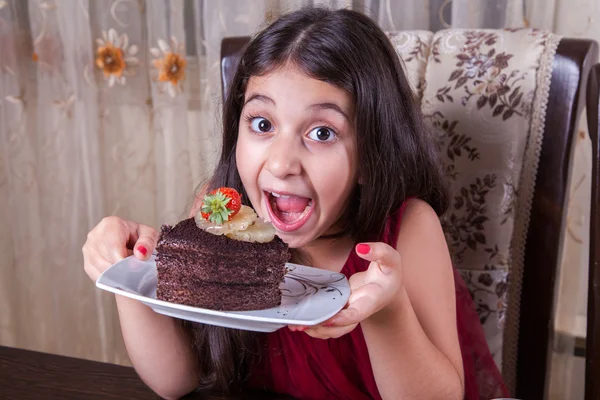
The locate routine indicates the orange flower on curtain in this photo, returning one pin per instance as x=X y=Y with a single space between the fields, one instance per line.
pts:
x=169 y=63
x=114 y=57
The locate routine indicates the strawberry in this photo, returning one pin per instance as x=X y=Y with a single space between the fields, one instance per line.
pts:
x=221 y=205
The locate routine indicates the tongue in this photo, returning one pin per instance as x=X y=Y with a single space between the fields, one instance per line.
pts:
x=291 y=204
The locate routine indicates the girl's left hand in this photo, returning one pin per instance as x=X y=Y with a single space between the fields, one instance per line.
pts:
x=371 y=291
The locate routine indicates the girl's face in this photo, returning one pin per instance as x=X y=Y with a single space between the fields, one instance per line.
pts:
x=296 y=153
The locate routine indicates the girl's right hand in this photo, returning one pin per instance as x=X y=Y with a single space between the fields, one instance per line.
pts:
x=112 y=240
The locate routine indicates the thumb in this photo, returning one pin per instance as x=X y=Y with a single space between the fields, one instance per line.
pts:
x=145 y=243
x=385 y=256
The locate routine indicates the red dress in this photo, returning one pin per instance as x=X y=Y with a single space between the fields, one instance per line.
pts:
x=307 y=368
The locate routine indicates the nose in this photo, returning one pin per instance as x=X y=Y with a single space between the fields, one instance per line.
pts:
x=284 y=156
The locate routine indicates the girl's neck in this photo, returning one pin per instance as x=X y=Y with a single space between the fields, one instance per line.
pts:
x=326 y=253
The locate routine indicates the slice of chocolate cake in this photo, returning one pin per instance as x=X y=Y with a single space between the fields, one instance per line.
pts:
x=235 y=265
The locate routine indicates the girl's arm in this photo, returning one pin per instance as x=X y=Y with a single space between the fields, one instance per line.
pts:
x=160 y=351
x=413 y=342
x=405 y=303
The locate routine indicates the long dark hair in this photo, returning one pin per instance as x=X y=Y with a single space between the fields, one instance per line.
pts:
x=397 y=157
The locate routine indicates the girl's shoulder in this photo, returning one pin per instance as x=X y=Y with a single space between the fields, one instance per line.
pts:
x=418 y=211
x=414 y=215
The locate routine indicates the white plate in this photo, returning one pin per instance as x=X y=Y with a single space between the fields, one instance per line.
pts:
x=309 y=297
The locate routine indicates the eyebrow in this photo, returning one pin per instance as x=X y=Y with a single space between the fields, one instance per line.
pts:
x=330 y=106
x=319 y=106
x=259 y=97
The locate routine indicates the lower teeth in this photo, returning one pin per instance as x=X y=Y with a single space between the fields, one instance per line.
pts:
x=304 y=212
x=302 y=215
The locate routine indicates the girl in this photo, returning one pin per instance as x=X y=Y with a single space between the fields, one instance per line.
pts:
x=320 y=117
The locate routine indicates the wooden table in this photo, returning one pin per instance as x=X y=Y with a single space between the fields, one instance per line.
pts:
x=31 y=375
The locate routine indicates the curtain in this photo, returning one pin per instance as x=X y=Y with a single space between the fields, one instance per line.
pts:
x=106 y=109
x=110 y=107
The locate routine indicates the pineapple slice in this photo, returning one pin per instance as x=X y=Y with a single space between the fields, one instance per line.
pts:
x=260 y=232
x=241 y=221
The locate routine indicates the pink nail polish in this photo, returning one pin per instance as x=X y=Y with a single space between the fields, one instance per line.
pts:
x=363 y=248
x=142 y=250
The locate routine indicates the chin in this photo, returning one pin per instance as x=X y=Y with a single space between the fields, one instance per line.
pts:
x=294 y=241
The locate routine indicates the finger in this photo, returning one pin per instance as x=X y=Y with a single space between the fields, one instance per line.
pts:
x=132 y=234
x=348 y=316
x=115 y=253
x=95 y=264
x=297 y=328
x=146 y=241
x=383 y=254
x=110 y=237
x=359 y=309
x=357 y=280
x=321 y=332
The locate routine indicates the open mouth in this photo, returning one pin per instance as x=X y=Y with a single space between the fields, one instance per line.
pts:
x=288 y=212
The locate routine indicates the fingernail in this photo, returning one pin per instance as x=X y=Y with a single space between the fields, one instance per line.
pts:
x=142 y=250
x=327 y=324
x=363 y=248
x=302 y=329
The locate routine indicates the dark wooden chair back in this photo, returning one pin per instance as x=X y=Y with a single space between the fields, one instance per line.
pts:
x=572 y=64
x=592 y=357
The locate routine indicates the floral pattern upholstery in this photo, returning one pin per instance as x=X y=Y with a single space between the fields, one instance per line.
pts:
x=413 y=47
x=484 y=92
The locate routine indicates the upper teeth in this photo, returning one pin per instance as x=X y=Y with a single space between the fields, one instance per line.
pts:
x=280 y=195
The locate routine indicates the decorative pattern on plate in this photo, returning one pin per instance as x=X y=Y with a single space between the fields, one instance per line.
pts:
x=309 y=284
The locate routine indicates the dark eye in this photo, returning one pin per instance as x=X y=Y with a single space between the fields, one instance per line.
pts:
x=322 y=134
x=261 y=125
